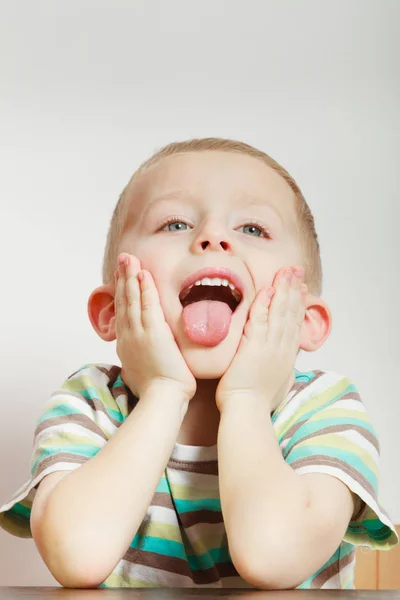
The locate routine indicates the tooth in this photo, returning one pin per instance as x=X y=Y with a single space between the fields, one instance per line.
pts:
x=224 y=282
x=198 y=283
x=215 y=281
x=206 y=281
x=231 y=286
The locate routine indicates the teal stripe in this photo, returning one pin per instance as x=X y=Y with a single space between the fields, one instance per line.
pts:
x=315 y=426
x=90 y=393
x=159 y=546
x=163 y=486
x=184 y=506
x=355 y=461
x=72 y=449
x=303 y=376
x=21 y=511
x=61 y=410
x=177 y=550
x=306 y=585
x=374 y=527
x=330 y=402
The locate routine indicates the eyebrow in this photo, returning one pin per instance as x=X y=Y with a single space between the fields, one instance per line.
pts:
x=181 y=195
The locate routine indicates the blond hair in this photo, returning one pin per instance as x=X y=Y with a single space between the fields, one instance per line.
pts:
x=305 y=221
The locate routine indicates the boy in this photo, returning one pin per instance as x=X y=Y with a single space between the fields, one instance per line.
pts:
x=207 y=459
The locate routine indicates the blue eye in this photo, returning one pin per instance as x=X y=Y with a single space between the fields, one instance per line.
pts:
x=254 y=227
x=177 y=224
x=174 y=223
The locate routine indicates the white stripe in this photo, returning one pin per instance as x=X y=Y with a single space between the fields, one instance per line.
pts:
x=194 y=453
x=162 y=514
x=127 y=569
x=353 y=485
x=347 y=571
x=25 y=489
x=357 y=438
x=313 y=389
x=97 y=416
x=199 y=531
x=333 y=583
x=189 y=479
x=71 y=428
x=349 y=404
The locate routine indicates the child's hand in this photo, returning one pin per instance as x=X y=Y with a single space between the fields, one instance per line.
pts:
x=145 y=344
x=264 y=362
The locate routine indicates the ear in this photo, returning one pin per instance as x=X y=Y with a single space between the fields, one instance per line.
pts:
x=317 y=324
x=101 y=312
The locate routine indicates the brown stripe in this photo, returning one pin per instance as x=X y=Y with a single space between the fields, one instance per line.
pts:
x=205 y=467
x=351 y=396
x=340 y=428
x=76 y=419
x=95 y=404
x=187 y=518
x=290 y=432
x=154 y=560
x=180 y=566
x=112 y=373
x=332 y=570
x=116 y=390
x=61 y=457
x=162 y=499
x=200 y=516
x=360 y=511
x=320 y=459
x=301 y=385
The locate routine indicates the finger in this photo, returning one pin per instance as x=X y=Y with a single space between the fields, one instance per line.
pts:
x=256 y=326
x=152 y=312
x=133 y=292
x=278 y=308
x=295 y=311
x=121 y=319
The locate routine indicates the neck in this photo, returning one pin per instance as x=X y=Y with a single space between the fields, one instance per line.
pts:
x=200 y=425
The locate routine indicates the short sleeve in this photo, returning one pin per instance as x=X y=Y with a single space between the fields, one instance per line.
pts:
x=334 y=435
x=76 y=422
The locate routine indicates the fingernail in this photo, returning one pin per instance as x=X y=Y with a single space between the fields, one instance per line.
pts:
x=299 y=272
x=288 y=274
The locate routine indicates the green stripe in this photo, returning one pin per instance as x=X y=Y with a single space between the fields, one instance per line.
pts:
x=20 y=511
x=184 y=506
x=315 y=426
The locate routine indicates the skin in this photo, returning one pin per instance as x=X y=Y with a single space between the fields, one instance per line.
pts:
x=216 y=196
x=229 y=391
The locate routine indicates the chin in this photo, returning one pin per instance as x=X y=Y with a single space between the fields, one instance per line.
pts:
x=207 y=363
x=210 y=362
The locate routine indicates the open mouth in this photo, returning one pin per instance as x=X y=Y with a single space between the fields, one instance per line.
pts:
x=218 y=292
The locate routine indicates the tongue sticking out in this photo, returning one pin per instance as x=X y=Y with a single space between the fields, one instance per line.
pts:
x=207 y=322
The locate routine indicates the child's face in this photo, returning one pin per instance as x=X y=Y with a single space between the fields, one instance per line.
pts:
x=214 y=199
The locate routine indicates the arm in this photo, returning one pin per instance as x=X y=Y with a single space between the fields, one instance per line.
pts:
x=84 y=525
x=281 y=527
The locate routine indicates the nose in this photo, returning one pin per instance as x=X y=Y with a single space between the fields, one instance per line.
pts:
x=212 y=238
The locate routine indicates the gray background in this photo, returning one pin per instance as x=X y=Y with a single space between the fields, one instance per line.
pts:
x=90 y=88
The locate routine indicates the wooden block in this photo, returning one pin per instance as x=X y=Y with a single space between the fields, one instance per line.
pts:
x=389 y=568
x=366 y=570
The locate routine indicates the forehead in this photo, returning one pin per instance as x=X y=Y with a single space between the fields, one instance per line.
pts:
x=211 y=176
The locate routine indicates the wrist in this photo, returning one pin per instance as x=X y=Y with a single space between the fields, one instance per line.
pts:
x=166 y=394
x=245 y=402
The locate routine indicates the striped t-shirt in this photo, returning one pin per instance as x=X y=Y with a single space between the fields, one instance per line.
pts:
x=321 y=427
